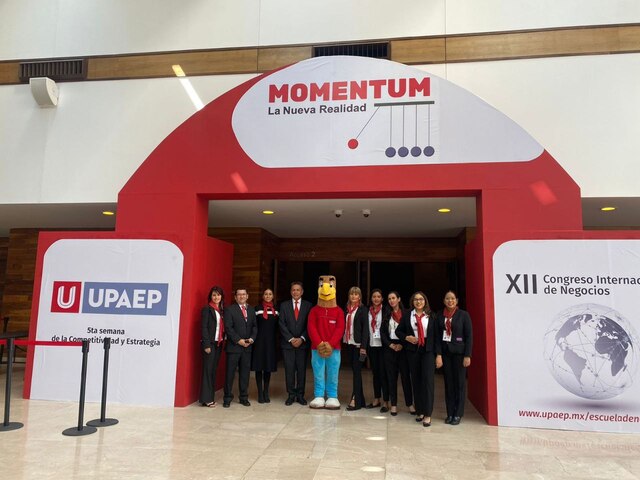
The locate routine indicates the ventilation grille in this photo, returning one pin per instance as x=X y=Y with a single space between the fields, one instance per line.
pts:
x=371 y=50
x=58 y=70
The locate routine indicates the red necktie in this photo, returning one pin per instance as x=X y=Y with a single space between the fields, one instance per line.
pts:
x=420 y=330
x=296 y=310
x=221 y=331
x=244 y=312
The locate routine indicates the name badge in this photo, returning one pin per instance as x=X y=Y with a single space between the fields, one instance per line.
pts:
x=446 y=337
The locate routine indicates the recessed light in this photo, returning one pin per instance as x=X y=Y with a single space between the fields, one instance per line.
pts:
x=444 y=210
x=108 y=213
x=608 y=209
x=375 y=439
x=268 y=212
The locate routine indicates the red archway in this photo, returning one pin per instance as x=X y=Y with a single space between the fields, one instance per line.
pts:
x=202 y=160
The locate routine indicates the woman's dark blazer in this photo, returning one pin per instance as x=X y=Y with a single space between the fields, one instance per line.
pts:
x=360 y=325
x=432 y=344
x=384 y=328
x=208 y=326
x=461 y=333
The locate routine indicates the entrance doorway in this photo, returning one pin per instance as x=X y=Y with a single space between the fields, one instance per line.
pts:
x=433 y=278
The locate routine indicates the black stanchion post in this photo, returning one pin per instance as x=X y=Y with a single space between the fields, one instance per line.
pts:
x=7 y=425
x=102 y=421
x=81 y=429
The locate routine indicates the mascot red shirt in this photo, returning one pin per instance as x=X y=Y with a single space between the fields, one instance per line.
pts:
x=325 y=326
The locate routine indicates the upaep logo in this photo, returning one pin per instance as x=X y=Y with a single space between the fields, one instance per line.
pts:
x=117 y=298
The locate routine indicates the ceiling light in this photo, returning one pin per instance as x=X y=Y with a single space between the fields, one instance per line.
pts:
x=608 y=209
x=268 y=212
x=108 y=213
x=444 y=210
x=177 y=69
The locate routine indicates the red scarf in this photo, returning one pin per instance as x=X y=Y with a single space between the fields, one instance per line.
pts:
x=374 y=313
x=267 y=307
x=448 y=316
x=216 y=307
x=350 y=311
x=397 y=315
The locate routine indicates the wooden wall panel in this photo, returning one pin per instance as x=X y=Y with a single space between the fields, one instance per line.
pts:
x=9 y=73
x=210 y=62
x=377 y=249
x=548 y=43
x=596 y=40
x=20 y=272
x=4 y=247
x=421 y=50
x=247 y=259
x=272 y=58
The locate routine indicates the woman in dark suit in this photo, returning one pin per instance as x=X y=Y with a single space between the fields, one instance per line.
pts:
x=375 y=352
x=417 y=328
x=263 y=359
x=356 y=339
x=212 y=333
x=395 y=355
x=456 y=335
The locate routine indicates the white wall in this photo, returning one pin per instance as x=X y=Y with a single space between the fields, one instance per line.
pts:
x=584 y=110
x=61 y=28
x=86 y=149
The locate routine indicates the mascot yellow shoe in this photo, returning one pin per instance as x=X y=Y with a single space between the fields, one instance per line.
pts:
x=326 y=327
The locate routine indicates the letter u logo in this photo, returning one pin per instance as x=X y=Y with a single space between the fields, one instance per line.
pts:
x=65 y=297
x=69 y=302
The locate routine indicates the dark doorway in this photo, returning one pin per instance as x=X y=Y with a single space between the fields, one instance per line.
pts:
x=308 y=272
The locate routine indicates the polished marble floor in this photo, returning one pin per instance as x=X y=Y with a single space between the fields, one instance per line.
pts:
x=273 y=441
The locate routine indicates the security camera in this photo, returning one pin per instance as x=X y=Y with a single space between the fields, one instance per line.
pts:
x=366 y=212
x=338 y=213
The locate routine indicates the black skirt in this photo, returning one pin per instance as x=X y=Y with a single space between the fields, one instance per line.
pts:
x=263 y=357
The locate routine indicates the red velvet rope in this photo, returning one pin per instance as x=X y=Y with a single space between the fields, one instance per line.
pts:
x=44 y=343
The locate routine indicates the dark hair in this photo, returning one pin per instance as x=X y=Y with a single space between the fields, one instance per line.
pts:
x=235 y=292
x=400 y=305
x=454 y=293
x=376 y=290
x=296 y=282
x=219 y=290
x=427 y=308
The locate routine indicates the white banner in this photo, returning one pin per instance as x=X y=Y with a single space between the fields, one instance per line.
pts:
x=128 y=290
x=566 y=320
x=350 y=111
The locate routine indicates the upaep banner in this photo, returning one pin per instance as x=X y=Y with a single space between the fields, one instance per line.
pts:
x=127 y=290
x=566 y=328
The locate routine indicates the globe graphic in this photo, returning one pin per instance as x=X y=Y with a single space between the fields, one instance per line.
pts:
x=592 y=351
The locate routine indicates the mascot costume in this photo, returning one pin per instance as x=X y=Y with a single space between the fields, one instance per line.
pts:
x=326 y=327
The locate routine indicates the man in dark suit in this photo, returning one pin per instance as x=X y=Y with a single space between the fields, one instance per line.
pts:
x=295 y=343
x=241 y=328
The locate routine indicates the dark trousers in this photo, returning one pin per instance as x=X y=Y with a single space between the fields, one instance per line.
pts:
x=422 y=366
x=396 y=362
x=356 y=367
x=380 y=387
x=241 y=362
x=295 y=370
x=209 y=368
x=455 y=384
